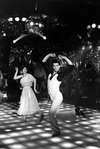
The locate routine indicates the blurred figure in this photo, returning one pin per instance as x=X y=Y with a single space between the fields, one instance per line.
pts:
x=98 y=87
x=75 y=94
x=91 y=83
x=1 y=79
x=40 y=75
x=1 y=86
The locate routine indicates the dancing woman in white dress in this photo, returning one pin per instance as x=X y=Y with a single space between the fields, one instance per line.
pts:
x=28 y=101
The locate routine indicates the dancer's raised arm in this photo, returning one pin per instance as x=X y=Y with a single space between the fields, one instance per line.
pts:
x=16 y=76
x=47 y=56
x=67 y=59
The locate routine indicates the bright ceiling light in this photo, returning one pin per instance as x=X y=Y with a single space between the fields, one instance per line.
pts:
x=24 y=19
x=88 y=27
x=17 y=18
x=93 y=25
x=10 y=19
x=98 y=26
x=31 y=23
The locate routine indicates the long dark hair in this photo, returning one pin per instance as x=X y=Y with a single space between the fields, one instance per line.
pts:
x=23 y=66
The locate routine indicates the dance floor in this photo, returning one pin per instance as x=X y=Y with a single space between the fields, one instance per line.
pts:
x=84 y=133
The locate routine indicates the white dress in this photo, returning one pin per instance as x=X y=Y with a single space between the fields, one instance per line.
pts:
x=28 y=100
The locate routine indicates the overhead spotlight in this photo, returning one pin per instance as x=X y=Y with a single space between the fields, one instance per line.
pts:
x=14 y=41
x=17 y=18
x=83 y=47
x=44 y=16
x=4 y=34
x=44 y=37
x=40 y=25
x=79 y=36
x=88 y=27
x=20 y=37
x=98 y=26
x=31 y=23
x=93 y=25
x=10 y=19
x=24 y=19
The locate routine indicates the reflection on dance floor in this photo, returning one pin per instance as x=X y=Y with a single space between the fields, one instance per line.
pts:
x=84 y=133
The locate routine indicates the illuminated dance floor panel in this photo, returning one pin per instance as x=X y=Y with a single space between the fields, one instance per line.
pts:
x=84 y=133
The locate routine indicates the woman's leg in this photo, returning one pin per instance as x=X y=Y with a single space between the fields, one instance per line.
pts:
x=23 y=118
